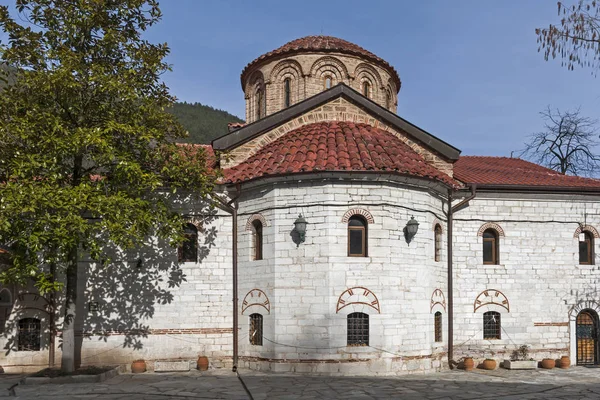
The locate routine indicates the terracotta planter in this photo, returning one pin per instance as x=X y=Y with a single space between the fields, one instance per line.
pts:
x=565 y=362
x=548 y=363
x=138 y=366
x=489 y=364
x=469 y=364
x=202 y=363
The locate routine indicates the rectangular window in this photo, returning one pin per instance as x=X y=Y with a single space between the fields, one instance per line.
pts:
x=358 y=329
x=29 y=334
x=357 y=242
x=491 y=325
x=584 y=252
x=256 y=329
x=488 y=251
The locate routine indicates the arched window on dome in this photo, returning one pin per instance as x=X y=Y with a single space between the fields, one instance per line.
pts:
x=388 y=99
x=260 y=103
x=357 y=236
x=287 y=92
x=366 y=89
x=327 y=82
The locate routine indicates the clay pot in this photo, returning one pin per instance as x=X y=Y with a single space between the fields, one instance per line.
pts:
x=565 y=362
x=202 y=363
x=138 y=366
x=548 y=363
x=489 y=364
x=469 y=364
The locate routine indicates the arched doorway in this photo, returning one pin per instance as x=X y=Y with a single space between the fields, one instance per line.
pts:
x=587 y=337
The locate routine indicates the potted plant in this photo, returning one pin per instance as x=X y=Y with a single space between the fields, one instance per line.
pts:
x=138 y=366
x=519 y=359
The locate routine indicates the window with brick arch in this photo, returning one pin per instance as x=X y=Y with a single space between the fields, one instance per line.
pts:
x=438 y=242
x=327 y=82
x=188 y=251
x=357 y=236
x=437 y=322
x=388 y=99
x=490 y=247
x=256 y=329
x=29 y=334
x=358 y=329
x=491 y=325
x=257 y=240
x=260 y=104
x=586 y=248
x=366 y=89
x=287 y=92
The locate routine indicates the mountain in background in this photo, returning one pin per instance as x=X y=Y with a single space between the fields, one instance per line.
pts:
x=203 y=123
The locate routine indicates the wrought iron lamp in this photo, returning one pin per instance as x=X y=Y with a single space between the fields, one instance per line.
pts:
x=300 y=228
x=410 y=230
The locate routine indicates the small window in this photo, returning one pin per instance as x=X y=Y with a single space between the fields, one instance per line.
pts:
x=29 y=334
x=358 y=329
x=586 y=249
x=188 y=251
x=491 y=325
x=256 y=329
x=287 y=92
x=438 y=242
x=437 y=319
x=490 y=247
x=257 y=240
x=366 y=89
x=357 y=236
x=388 y=99
x=327 y=82
x=259 y=104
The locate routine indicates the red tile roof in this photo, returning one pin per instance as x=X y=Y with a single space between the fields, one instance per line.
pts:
x=336 y=146
x=325 y=44
x=515 y=172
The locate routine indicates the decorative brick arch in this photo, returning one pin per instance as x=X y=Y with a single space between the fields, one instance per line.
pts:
x=253 y=218
x=490 y=225
x=491 y=297
x=586 y=228
x=360 y=296
x=284 y=66
x=369 y=71
x=329 y=63
x=437 y=297
x=256 y=297
x=358 y=211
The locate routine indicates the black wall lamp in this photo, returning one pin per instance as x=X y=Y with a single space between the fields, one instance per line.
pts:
x=300 y=230
x=410 y=230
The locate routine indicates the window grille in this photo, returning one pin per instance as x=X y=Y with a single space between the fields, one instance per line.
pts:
x=256 y=329
x=358 y=329
x=491 y=325
x=357 y=236
x=490 y=247
x=438 y=326
x=29 y=334
x=188 y=251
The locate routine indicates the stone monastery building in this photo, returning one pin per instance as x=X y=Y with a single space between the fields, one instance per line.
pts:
x=352 y=242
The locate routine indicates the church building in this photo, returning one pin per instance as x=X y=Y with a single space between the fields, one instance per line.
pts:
x=347 y=241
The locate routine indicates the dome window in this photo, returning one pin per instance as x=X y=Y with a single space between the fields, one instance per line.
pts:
x=287 y=92
x=327 y=82
x=366 y=89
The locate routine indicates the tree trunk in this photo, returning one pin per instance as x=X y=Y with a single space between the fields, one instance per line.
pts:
x=68 y=331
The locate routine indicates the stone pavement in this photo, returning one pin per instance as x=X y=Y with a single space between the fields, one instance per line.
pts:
x=574 y=383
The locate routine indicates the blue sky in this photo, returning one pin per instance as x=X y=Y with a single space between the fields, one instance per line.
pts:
x=470 y=70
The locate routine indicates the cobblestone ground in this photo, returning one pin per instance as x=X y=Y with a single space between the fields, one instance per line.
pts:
x=574 y=383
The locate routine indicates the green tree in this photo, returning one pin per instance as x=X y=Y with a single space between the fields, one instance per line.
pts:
x=88 y=152
x=576 y=40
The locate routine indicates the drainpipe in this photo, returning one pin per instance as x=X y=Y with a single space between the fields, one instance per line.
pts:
x=451 y=211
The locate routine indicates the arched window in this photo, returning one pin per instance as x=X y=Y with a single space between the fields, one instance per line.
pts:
x=257 y=240
x=256 y=329
x=358 y=329
x=327 y=82
x=188 y=251
x=491 y=325
x=366 y=89
x=438 y=242
x=287 y=92
x=388 y=99
x=357 y=236
x=259 y=104
x=490 y=247
x=437 y=321
x=30 y=331
x=586 y=248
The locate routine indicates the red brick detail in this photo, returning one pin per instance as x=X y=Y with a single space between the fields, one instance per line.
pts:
x=254 y=217
x=491 y=296
x=586 y=228
x=358 y=295
x=437 y=297
x=490 y=225
x=336 y=146
x=550 y=324
x=358 y=211
x=256 y=297
x=514 y=171
x=169 y=331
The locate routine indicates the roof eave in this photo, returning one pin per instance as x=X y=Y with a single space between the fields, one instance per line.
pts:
x=533 y=188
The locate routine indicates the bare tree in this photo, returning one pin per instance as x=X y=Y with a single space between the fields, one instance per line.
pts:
x=567 y=143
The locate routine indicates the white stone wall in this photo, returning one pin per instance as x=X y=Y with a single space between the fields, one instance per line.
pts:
x=539 y=273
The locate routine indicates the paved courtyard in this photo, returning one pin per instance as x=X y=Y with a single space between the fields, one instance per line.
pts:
x=575 y=383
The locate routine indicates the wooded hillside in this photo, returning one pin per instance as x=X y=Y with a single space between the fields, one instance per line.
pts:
x=203 y=123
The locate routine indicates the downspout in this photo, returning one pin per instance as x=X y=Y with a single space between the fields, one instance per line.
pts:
x=451 y=211
x=233 y=210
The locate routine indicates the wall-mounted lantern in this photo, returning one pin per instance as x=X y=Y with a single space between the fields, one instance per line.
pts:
x=410 y=230
x=300 y=229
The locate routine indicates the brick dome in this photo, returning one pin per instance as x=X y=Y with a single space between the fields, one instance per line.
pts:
x=322 y=44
